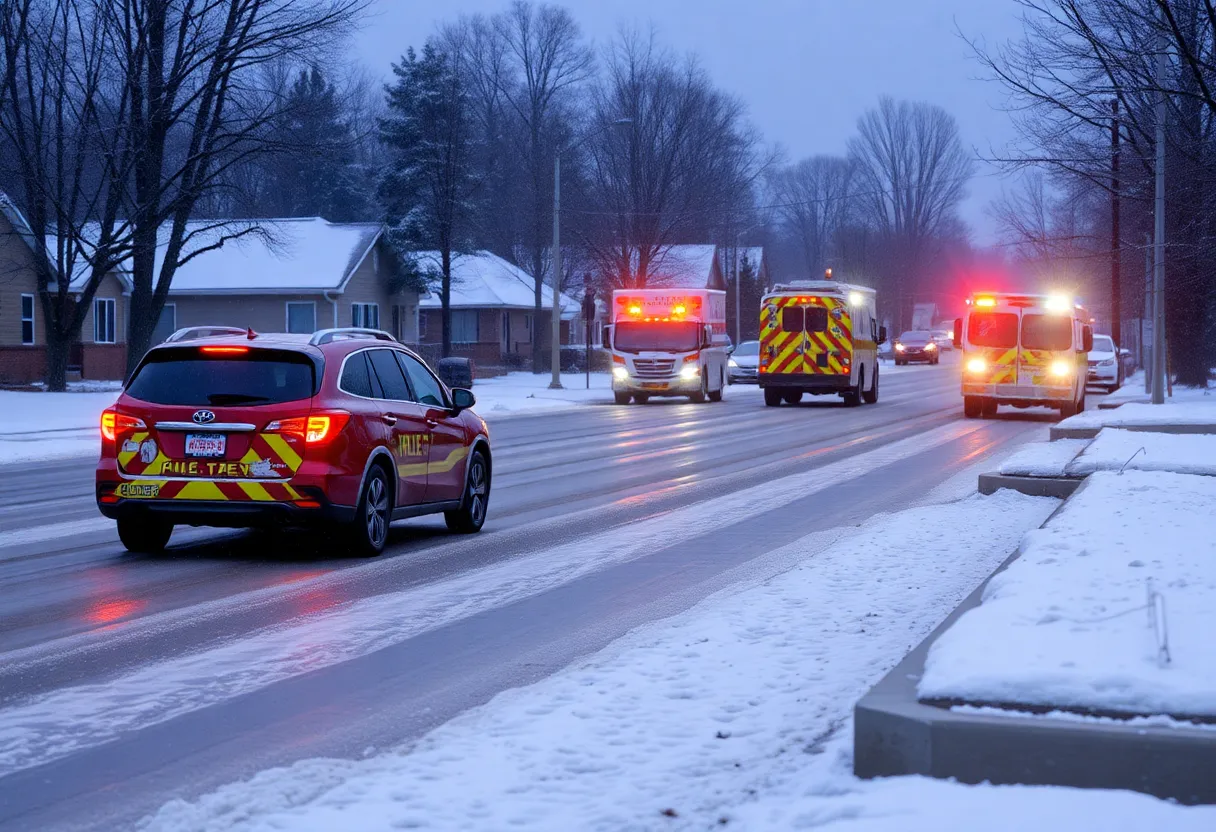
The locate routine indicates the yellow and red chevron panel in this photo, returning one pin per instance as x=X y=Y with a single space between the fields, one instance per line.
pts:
x=1038 y=364
x=207 y=490
x=270 y=457
x=1002 y=365
x=798 y=352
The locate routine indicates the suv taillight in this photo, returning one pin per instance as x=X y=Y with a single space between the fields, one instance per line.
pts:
x=115 y=425
x=316 y=429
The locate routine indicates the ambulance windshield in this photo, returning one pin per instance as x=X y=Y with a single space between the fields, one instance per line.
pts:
x=657 y=336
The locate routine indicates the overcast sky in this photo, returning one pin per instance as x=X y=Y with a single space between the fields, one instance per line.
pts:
x=806 y=68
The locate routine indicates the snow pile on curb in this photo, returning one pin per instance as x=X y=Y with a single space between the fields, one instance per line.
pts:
x=1043 y=459
x=722 y=709
x=1133 y=391
x=1066 y=625
x=1147 y=451
x=1146 y=415
x=50 y=425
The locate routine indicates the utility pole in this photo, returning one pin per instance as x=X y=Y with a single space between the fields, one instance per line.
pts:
x=1116 y=299
x=555 y=383
x=1146 y=351
x=1159 y=228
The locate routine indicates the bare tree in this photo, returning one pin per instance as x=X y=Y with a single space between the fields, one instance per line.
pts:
x=815 y=199
x=685 y=161
x=912 y=172
x=549 y=62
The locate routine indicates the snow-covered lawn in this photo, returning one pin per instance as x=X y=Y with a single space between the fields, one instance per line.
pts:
x=1070 y=614
x=1200 y=411
x=1115 y=449
x=735 y=713
x=39 y=426
x=1133 y=391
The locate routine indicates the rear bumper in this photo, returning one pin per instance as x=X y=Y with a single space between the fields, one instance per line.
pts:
x=806 y=381
x=1102 y=375
x=1015 y=394
x=232 y=514
x=743 y=375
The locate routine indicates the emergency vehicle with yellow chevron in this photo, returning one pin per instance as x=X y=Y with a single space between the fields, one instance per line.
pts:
x=345 y=429
x=1023 y=350
x=819 y=337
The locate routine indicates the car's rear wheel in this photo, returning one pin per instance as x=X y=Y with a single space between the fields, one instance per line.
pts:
x=988 y=407
x=368 y=534
x=621 y=398
x=793 y=397
x=973 y=407
x=772 y=398
x=144 y=535
x=471 y=516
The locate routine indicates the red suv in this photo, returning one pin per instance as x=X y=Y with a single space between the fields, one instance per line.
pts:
x=345 y=428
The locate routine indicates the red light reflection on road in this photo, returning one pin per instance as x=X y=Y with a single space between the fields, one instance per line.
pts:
x=107 y=612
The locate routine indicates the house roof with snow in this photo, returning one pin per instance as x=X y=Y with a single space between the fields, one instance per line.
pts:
x=483 y=280
x=684 y=266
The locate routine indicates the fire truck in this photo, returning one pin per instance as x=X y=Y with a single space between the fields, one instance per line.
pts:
x=819 y=337
x=1023 y=350
x=668 y=342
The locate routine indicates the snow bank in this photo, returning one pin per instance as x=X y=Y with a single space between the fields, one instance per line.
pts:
x=691 y=716
x=39 y=426
x=1196 y=412
x=1180 y=453
x=1065 y=625
x=1133 y=391
x=1043 y=459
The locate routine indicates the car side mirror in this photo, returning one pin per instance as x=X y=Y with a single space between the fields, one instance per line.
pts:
x=882 y=334
x=462 y=399
x=707 y=336
x=1124 y=351
x=958 y=332
x=607 y=340
x=1087 y=338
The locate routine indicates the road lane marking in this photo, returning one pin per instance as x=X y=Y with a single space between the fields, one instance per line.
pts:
x=60 y=722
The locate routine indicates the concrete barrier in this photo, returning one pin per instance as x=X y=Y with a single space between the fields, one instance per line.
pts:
x=1061 y=487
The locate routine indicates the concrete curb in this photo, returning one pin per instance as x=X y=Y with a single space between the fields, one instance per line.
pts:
x=1090 y=433
x=1062 y=487
x=894 y=733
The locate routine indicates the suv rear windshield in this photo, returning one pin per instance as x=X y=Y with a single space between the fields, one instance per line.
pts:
x=993 y=329
x=1046 y=332
x=187 y=376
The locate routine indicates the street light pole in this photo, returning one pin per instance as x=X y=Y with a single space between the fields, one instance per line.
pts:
x=1159 y=368
x=555 y=383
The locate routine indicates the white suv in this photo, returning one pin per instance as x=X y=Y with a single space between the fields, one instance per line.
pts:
x=1105 y=368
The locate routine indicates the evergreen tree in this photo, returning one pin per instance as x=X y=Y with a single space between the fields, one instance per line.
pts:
x=430 y=183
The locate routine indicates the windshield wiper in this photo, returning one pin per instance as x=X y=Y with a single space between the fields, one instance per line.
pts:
x=234 y=398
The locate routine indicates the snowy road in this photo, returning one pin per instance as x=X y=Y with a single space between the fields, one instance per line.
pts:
x=127 y=681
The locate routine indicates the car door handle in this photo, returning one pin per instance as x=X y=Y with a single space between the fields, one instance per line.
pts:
x=432 y=422
x=389 y=419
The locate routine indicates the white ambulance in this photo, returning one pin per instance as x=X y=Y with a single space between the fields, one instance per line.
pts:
x=668 y=342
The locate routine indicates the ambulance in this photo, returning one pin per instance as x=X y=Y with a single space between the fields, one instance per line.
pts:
x=1023 y=350
x=668 y=342
x=819 y=337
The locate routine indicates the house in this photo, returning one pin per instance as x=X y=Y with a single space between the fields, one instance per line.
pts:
x=493 y=309
x=101 y=352
x=290 y=275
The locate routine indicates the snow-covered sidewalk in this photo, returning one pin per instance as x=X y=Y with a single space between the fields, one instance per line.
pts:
x=1114 y=450
x=1198 y=411
x=41 y=426
x=1072 y=618
x=735 y=713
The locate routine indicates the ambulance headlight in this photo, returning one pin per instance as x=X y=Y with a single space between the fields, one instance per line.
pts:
x=620 y=373
x=690 y=371
x=977 y=366
x=1061 y=369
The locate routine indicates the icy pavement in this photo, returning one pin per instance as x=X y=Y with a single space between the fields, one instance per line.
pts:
x=735 y=712
x=1070 y=615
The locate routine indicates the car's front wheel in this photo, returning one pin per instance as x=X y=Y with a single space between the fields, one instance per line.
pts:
x=369 y=532
x=471 y=515
x=144 y=535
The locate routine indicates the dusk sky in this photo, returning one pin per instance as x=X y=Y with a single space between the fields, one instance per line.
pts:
x=805 y=68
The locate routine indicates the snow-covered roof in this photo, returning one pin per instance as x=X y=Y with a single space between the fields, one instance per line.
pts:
x=685 y=266
x=483 y=280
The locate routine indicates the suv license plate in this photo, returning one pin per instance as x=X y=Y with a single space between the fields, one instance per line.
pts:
x=206 y=444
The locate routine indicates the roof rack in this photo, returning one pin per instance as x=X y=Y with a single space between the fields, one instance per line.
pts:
x=192 y=333
x=325 y=336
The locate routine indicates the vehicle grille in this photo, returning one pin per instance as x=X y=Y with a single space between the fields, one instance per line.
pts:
x=654 y=367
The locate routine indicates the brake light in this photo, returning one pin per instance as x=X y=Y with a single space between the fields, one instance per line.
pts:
x=114 y=423
x=224 y=350
x=315 y=429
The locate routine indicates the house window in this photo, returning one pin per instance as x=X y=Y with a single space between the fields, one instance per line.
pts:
x=528 y=327
x=166 y=324
x=464 y=326
x=302 y=317
x=27 y=319
x=103 y=320
x=365 y=315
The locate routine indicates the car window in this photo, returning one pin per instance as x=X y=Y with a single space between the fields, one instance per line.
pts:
x=427 y=389
x=190 y=376
x=915 y=335
x=1103 y=344
x=992 y=329
x=1046 y=332
x=748 y=348
x=392 y=381
x=356 y=377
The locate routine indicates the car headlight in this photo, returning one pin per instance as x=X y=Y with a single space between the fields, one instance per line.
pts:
x=1109 y=362
x=977 y=365
x=690 y=371
x=899 y=348
x=930 y=346
x=731 y=363
x=620 y=373
x=1061 y=369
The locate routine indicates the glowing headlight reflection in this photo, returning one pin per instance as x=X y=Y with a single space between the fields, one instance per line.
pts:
x=1061 y=369
x=620 y=373
x=977 y=365
x=690 y=371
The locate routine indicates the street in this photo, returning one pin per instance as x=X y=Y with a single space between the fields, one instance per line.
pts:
x=601 y=518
